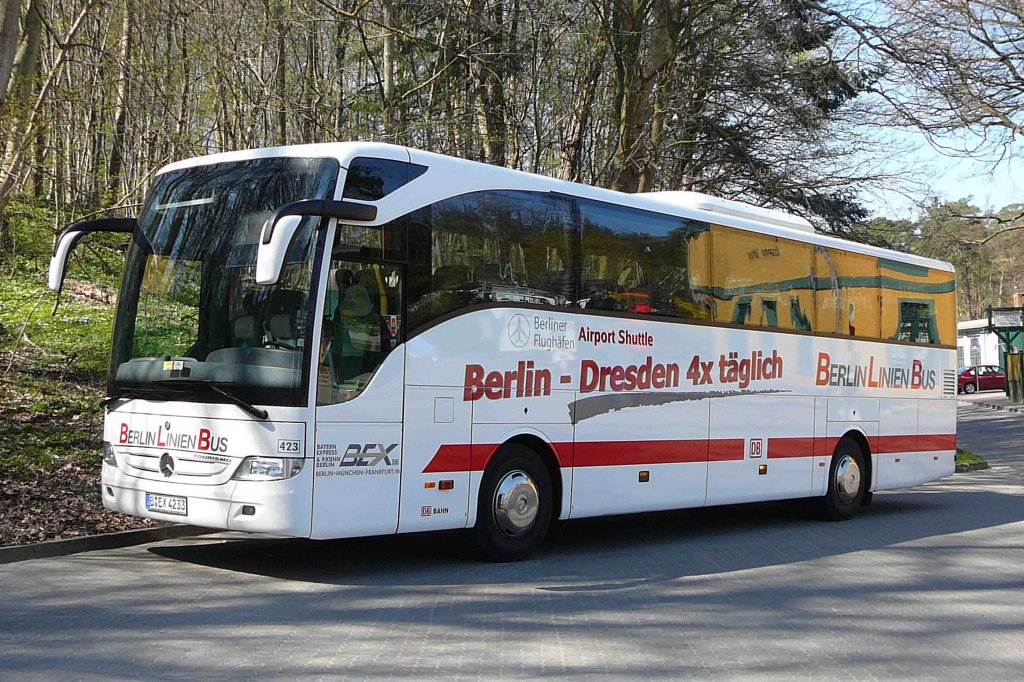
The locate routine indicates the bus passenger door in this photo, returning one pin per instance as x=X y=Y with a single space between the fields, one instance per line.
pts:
x=360 y=381
x=435 y=458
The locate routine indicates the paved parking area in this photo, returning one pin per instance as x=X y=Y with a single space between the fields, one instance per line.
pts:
x=927 y=583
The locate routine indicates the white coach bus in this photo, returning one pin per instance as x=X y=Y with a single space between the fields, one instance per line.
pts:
x=355 y=339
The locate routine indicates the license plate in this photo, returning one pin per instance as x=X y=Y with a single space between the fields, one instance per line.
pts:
x=167 y=504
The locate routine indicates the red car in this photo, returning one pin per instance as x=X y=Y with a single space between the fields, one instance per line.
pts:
x=980 y=378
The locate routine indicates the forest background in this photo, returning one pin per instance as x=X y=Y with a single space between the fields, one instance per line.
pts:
x=794 y=104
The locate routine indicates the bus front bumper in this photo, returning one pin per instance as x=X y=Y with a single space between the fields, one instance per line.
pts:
x=274 y=507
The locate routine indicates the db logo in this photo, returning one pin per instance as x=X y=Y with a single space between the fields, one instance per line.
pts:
x=426 y=510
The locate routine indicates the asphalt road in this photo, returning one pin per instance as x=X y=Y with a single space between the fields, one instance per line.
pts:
x=926 y=583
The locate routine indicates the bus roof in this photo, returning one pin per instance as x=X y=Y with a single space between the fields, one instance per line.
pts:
x=454 y=176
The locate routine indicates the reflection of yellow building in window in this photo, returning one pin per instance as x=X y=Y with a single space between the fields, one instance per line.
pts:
x=755 y=279
x=767 y=281
x=855 y=295
x=918 y=303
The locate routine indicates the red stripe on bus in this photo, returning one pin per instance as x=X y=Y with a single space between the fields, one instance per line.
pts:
x=887 y=444
x=481 y=455
x=725 y=449
x=779 y=448
x=824 y=447
x=611 y=453
x=452 y=458
x=564 y=453
x=936 y=441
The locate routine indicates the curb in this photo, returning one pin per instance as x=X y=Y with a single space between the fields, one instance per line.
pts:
x=89 y=543
x=1019 y=409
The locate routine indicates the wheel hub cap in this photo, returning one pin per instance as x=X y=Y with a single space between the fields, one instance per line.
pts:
x=516 y=503
x=847 y=478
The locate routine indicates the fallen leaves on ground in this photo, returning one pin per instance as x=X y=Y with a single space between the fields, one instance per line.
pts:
x=64 y=502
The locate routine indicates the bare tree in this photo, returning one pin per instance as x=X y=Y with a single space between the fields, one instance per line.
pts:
x=950 y=65
x=744 y=98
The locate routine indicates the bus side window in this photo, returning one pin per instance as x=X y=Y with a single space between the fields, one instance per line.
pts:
x=917 y=322
x=371 y=179
x=858 y=278
x=826 y=292
x=642 y=262
x=918 y=303
x=748 y=265
x=491 y=247
x=362 y=321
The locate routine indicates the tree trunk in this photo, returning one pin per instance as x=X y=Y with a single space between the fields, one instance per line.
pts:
x=26 y=63
x=340 y=50
x=388 y=72
x=280 y=80
x=10 y=34
x=22 y=133
x=638 y=68
x=582 y=107
x=487 y=75
x=120 y=141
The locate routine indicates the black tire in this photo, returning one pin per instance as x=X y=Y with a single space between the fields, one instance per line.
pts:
x=847 y=483
x=518 y=471
x=970 y=388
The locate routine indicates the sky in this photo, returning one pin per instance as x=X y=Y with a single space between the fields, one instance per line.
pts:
x=990 y=183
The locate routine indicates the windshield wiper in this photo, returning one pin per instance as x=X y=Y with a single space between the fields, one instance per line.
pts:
x=209 y=385
x=139 y=392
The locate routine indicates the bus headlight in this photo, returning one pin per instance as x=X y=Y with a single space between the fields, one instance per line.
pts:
x=268 y=468
x=108 y=454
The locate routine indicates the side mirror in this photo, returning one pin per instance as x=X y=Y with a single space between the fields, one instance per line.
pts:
x=72 y=235
x=270 y=254
x=279 y=231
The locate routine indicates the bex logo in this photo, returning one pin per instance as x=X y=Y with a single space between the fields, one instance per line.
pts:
x=368 y=455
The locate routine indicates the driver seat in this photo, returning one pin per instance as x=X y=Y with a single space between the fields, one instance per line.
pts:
x=356 y=334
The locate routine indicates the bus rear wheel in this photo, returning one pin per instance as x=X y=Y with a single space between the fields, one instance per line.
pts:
x=847 y=484
x=515 y=503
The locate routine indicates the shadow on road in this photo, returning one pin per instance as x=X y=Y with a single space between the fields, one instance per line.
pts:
x=764 y=591
x=680 y=544
x=630 y=550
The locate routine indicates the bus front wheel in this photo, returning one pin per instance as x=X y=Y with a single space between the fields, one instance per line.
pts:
x=514 y=507
x=846 y=481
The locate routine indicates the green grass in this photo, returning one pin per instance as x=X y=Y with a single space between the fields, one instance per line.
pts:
x=47 y=421
x=33 y=224
x=74 y=339
x=53 y=364
x=964 y=457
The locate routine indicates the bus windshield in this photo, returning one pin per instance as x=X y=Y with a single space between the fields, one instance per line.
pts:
x=191 y=314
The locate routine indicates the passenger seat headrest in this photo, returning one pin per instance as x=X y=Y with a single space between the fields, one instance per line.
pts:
x=356 y=302
x=245 y=327
x=280 y=326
